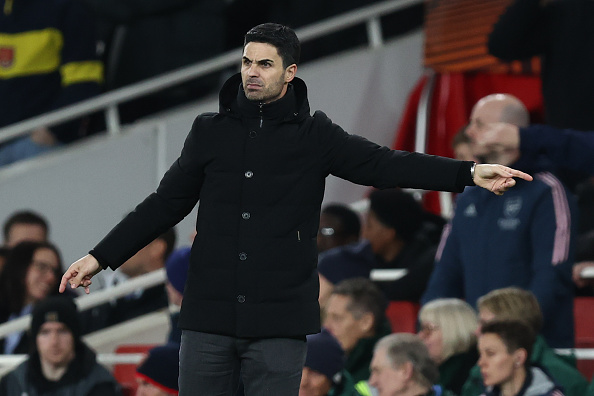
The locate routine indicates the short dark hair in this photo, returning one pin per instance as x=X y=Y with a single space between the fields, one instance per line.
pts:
x=24 y=217
x=515 y=334
x=365 y=297
x=398 y=210
x=348 y=218
x=283 y=38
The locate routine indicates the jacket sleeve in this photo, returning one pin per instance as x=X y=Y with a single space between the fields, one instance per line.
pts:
x=551 y=246
x=447 y=278
x=361 y=161
x=519 y=32
x=176 y=196
x=567 y=148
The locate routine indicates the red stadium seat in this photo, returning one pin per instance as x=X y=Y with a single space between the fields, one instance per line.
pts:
x=124 y=373
x=583 y=308
x=403 y=316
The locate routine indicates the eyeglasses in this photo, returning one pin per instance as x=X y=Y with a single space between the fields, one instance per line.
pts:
x=428 y=328
x=44 y=267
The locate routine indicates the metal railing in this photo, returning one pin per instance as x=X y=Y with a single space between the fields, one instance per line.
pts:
x=108 y=102
x=94 y=299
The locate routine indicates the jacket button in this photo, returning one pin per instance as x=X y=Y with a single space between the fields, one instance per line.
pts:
x=249 y=174
x=243 y=256
x=253 y=134
x=241 y=298
x=246 y=215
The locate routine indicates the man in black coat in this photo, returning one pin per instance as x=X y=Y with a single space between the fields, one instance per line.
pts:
x=258 y=167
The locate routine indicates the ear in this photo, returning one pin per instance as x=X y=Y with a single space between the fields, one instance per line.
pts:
x=407 y=370
x=520 y=357
x=157 y=249
x=366 y=322
x=290 y=73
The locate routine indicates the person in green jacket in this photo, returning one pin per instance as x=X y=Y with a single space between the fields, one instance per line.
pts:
x=355 y=315
x=447 y=327
x=512 y=303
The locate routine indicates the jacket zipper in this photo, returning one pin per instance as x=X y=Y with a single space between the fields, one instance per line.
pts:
x=261 y=115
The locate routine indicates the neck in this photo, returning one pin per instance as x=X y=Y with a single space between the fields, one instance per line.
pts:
x=53 y=372
x=415 y=389
x=392 y=251
x=514 y=384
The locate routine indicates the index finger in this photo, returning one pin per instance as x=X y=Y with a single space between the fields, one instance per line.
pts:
x=65 y=278
x=520 y=174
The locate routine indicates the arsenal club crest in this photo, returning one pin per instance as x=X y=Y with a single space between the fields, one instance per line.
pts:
x=6 y=57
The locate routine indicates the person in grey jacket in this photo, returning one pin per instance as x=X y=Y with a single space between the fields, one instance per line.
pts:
x=258 y=167
x=59 y=363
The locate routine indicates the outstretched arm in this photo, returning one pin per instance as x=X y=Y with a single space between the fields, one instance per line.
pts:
x=497 y=178
x=80 y=273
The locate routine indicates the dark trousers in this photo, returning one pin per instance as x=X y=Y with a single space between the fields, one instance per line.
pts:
x=210 y=365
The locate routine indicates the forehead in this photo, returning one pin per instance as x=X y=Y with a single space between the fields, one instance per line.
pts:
x=488 y=110
x=338 y=303
x=53 y=326
x=46 y=255
x=257 y=51
x=491 y=340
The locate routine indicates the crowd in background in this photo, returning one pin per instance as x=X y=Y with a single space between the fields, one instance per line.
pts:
x=495 y=283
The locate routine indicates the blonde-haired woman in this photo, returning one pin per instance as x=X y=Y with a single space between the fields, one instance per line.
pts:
x=448 y=329
x=514 y=303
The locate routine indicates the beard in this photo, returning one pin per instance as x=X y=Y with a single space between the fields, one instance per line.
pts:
x=268 y=93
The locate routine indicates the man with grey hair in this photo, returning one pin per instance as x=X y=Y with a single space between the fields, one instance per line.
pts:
x=401 y=366
x=524 y=239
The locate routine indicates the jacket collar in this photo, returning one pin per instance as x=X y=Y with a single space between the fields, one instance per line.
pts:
x=292 y=107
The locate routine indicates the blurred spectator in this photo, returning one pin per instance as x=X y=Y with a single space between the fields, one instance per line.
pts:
x=48 y=60
x=513 y=303
x=448 y=327
x=339 y=225
x=323 y=372
x=31 y=273
x=397 y=233
x=461 y=145
x=559 y=32
x=59 y=363
x=505 y=348
x=157 y=375
x=177 y=273
x=150 y=258
x=148 y=38
x=3 y=254
x=401 y=366
x=25 y=225
x=522 y=239
x=355 y=315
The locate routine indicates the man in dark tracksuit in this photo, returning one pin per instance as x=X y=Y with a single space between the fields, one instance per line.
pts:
x=258 y=167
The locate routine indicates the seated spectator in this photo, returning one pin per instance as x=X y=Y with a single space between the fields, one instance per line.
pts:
x=31 y=274
x=397 y=233
x=177 y=273
x=3 y=253
x=462 y=145
x=523 y=239
x=59 y=362
x=151 y=258
x=157 y=375
x=48 y=61
x=323 y=372
x=355 y=315
x=25 y=225
x=339 y=225
x=512 y=303
x=448 y=327
x=505 y=348
x=401 y=366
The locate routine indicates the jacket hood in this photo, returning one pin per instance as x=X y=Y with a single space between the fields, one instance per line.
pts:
x=293 y=107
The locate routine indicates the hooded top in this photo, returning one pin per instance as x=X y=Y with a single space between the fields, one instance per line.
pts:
x=259 y=172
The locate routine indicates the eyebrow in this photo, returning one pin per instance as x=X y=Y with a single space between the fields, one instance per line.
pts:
x=260 y=62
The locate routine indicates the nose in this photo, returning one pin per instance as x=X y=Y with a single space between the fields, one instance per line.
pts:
x=481 y=361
